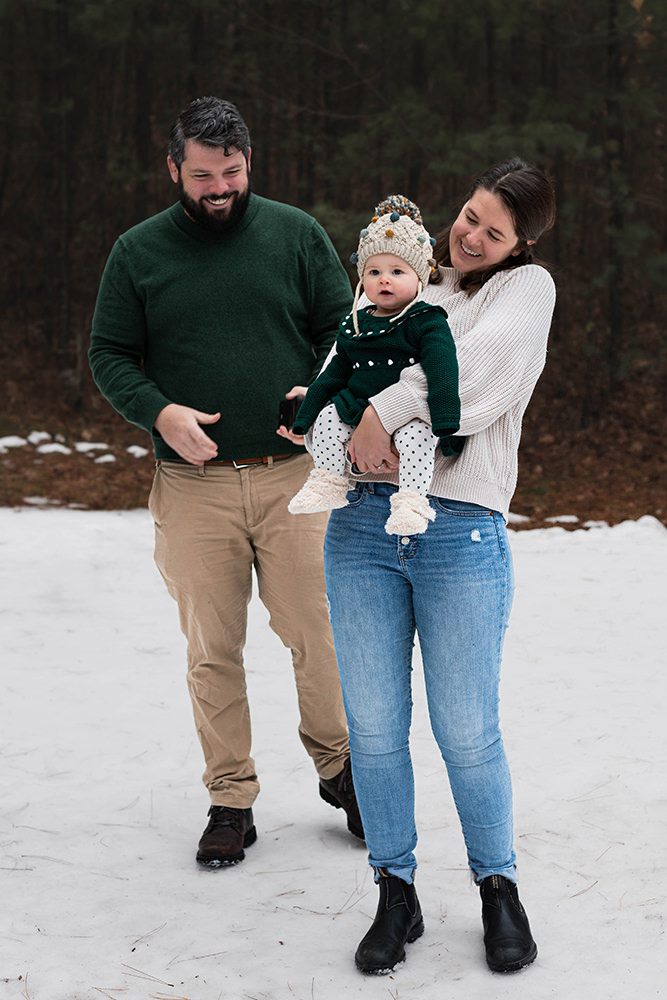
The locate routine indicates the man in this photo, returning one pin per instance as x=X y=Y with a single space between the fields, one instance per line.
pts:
x=208 y=314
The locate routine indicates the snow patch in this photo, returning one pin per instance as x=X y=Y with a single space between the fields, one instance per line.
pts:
x=37 y=437
x=86 y=446
x=53 y=448
x=12 y=441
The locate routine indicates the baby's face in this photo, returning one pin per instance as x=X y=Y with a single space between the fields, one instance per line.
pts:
x=389 y=283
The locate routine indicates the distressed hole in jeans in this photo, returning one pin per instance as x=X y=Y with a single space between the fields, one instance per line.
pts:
x=328 y=604
x=475 y=536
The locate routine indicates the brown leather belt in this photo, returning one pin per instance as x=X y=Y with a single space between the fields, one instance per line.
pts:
x=241 y=463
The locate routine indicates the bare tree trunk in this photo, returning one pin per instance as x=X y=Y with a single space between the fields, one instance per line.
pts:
x=615 y=166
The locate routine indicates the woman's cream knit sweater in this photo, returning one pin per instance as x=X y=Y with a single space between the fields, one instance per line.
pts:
x=501 y=340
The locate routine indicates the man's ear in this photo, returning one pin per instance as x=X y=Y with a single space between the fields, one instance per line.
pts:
x=174 y=172
x=248 y=159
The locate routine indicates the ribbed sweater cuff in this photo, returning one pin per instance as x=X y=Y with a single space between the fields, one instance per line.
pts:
x=396 y=406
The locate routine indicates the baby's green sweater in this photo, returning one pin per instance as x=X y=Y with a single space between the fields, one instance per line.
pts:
x=219 y=322
x=368 y=361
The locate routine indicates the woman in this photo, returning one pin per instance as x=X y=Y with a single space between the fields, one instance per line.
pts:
x=453 y=585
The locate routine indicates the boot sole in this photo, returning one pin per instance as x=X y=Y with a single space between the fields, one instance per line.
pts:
x=227 y=860
x=329 y=798
x=513 y=966
x=384 y=970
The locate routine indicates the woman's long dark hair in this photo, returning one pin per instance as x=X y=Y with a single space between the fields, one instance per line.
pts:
x=528 y=196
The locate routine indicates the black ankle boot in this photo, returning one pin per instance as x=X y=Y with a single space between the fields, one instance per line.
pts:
x=507 y=938
x=398 y=922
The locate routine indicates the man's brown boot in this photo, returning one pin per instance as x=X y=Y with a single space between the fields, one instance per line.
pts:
x=228 y=832
x=339 y=792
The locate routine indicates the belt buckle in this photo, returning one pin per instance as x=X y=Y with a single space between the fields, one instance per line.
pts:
x=244 y=465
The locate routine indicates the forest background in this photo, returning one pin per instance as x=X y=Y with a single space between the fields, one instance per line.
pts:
x=345 y=103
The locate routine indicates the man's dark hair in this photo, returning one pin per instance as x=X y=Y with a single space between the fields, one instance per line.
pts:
x=212 y=122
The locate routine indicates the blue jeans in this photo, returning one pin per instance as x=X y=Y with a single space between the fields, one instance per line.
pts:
x=453 y=585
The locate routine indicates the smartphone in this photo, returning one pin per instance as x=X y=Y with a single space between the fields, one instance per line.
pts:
x=287 y=411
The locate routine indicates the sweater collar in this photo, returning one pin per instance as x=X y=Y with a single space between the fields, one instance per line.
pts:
x=375 y=325
x=198 y=232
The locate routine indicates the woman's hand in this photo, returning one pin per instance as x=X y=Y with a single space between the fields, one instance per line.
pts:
x=371 y=449
x=286 y=432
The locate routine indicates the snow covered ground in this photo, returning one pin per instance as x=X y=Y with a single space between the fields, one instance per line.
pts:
x=102 y=803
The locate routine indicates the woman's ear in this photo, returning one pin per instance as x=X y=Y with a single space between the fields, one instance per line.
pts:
x=519 y=247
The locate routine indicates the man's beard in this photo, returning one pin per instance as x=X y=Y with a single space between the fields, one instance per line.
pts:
x=215 y=223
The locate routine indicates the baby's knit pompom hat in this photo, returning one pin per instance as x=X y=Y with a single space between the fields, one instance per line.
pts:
x=396 y=228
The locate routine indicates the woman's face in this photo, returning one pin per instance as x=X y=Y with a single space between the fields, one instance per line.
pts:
x=483 y=234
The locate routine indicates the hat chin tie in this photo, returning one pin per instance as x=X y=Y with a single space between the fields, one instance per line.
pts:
x=355 y=305
x=420 y=289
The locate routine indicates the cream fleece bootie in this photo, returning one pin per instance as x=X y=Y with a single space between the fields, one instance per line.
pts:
x=322 y=490
x=410 y=514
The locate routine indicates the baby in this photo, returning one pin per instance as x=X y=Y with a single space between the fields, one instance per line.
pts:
x=373 y=346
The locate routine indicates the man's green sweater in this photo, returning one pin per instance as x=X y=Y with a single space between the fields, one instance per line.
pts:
x=219 y=322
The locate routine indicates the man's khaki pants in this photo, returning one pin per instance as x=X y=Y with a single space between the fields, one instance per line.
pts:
x=213 y=524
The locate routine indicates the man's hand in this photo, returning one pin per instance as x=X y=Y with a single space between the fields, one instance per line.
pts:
x=286 y=432
x=371 y=448
x=179 y=426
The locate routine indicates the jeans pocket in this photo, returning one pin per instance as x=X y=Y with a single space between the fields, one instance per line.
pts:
x=356 y=495
x=482 y=523
x=460 y=508
x=154 y=495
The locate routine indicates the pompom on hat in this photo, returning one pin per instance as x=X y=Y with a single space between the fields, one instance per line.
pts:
x=396 y=228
